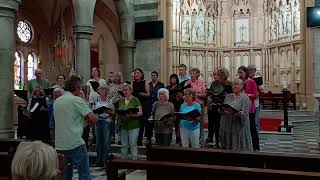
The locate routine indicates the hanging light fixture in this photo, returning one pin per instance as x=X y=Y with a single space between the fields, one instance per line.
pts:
x=61 y=38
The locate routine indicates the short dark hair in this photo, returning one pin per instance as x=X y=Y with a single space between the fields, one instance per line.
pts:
x=183 y=65
x=155 y=72
x=64 y=77
x=73 y=83
x=174 y=76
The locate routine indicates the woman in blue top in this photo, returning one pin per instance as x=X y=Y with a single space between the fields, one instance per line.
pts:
x=190 y=128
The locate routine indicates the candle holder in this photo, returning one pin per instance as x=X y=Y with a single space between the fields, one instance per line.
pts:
x=285 y=127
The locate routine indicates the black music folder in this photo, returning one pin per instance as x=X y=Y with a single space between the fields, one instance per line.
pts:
x=101 y=110
x=230 y=106
x=121 y=93
x=189 y=115
x=95 y=85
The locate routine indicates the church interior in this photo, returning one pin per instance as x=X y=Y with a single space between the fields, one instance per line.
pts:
x=75 y=36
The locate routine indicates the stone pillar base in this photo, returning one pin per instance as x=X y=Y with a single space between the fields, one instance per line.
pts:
x=6 y=134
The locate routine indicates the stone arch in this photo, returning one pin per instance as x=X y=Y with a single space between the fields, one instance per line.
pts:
x=106 y=38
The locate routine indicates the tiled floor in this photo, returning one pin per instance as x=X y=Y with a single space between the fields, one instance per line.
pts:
x=302 y=140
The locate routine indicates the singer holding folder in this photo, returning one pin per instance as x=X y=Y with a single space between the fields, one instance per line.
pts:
x=104 y=123
x=235 y=124
x=190 y=128
x=163 y=129
x=129 y=123
x=38 y=125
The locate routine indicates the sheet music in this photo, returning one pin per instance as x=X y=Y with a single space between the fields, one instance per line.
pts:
x=34 y=107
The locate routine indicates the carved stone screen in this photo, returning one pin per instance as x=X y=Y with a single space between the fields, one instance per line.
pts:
x=215 y=33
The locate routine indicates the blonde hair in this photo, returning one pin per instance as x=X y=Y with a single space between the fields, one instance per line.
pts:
x=196 y=70
x=34 y=161
x=165 y=91
x=120 y=75
x=191 y=91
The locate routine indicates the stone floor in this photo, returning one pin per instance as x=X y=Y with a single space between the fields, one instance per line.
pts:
x=303 y=139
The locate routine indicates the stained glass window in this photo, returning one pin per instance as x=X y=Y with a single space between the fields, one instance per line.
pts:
x=24 y=31
x=32 y=66
x=18 y=69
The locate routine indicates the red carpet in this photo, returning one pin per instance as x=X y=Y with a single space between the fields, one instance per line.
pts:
x=268 y=124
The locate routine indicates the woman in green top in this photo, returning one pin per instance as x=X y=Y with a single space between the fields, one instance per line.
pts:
x=129 y=123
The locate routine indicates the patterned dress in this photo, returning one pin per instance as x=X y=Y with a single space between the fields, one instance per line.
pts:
x=235 y=130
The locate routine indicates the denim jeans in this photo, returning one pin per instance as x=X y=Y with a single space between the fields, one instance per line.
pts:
x=76 y=158
x=192 y=135
x=257 y=119
x=129 y=137
x=103 y=140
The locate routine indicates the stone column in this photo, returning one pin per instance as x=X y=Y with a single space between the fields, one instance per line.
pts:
x=83 y=30
x=127 y=49
x=8 y=9
x=169 y=38
x=83 y=35
x=163 y=42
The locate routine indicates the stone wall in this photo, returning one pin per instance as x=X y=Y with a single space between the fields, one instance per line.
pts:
x=147 y=52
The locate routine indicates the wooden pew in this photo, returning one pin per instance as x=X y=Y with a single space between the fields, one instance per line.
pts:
x=266 y=160
x=5 y=165
x=7 y=150
x=162 y=170
x=9 y=145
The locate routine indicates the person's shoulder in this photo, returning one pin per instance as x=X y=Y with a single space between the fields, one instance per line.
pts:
x=196 y=104
x=103 y=82
x=88 y=82
x=251 y=80
x=171 y=104
x=228 y=82
x=184 y=104
x=135 y=98
x=32 y=81
x=201 y=81
x=161 y=84
x=245 y=96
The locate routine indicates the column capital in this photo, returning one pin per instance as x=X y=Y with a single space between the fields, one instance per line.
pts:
x=8 y=8
x=10 y=4
x=128 y=44
x=83 y=31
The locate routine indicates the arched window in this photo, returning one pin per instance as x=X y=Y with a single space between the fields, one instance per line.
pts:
x=32 y=65
x=24 y=31
x=18 y=71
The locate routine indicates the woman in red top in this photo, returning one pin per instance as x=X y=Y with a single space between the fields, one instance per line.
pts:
x=250 y=88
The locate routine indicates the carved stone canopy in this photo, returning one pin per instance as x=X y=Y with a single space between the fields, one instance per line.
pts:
x=241 y=7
